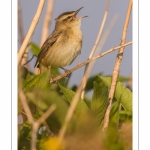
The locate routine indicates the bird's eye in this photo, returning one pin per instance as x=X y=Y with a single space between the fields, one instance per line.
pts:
x=69 y=17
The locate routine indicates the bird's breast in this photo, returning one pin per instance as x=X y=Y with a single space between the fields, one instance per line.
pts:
x=65 y=50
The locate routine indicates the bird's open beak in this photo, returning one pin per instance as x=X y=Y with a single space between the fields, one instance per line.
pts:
x=78 y=10
x=81 y=16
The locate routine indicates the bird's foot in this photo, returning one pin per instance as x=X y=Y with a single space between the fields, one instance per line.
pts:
x=66 y=71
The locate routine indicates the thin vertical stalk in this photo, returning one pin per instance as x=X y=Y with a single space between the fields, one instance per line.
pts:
x=96 y=43
x=47 y=21
x=30 y=31
x=117 y=67
x=70 y=111
x=21 y=35
x=36 y=124
x=20 y=26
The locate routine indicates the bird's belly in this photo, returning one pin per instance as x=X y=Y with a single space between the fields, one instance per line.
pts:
x=63 y=54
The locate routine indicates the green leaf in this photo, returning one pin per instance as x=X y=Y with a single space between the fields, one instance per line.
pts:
x=99 y=101
x=43 y=99
x=121 y=78
x=35 y=49
x=25 y=136
x=121 y=92
x=125 y=115
x=55 y=71
x=26 y=129
x=114 y=115
x=69 y=94
x=89 y=85
x=37 y=81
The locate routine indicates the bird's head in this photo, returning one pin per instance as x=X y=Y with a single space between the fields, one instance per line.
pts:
x=69 y=19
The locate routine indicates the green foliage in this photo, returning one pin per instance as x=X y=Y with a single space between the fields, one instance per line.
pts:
x=89 y=85
x=43 y=99
x=69 y=94
x=25 y=136
x=125 y=115
x=121 y=92
x=89 y=113
x=120 y=78
x=35 y=49
x=99 y=101
x=37 y=81
x=112 y=140
x=114 y=115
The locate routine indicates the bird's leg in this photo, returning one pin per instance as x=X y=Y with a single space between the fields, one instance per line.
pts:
x=66 y=71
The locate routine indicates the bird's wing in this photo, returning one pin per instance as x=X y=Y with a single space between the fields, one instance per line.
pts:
x=47 y=44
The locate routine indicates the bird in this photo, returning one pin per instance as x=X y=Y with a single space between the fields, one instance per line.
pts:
x=64 y=44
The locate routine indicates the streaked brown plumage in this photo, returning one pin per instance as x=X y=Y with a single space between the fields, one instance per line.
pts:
x=64 y=44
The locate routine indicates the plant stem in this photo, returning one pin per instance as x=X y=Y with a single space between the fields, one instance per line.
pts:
x=117 y=67
x=30 y=31
x=88 y=61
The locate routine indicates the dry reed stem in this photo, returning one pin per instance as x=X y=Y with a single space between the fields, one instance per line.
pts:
x=47 y=21
x=95 y=45
x=20 y=26
x=76 y=99
x=28 y=115
x=101 y=29
x=44 y=122
x=117 y=67
x=36 y=124
x=35 y=127
x=30 y=31
x=46 y=25
x=46 y=114
x=25 y=106
x=70 y=111
x=20 y=31
x=86 y=62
